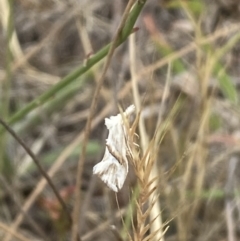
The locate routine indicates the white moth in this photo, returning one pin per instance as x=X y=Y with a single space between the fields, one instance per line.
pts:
x=113 y=168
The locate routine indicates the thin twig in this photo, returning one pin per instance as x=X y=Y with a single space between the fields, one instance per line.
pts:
x=37 y=162
x=13 y=232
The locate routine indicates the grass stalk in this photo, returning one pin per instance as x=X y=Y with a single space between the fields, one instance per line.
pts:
x=156 y=225
x=72 y=77
x=122 y=31
x=5 y=166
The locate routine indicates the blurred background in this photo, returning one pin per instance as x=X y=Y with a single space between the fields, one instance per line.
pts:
x=187 y=66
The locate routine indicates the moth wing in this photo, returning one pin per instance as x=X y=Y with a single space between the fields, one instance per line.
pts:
x=111 y=172
x=117 y=141
x=108 y=123
x=114 y=166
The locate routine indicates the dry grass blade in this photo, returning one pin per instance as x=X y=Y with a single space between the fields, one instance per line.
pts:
x=17 y=235
x=5 y=16
x=148 y=226
x=143 y=166
x=151 y=236
x=147 y=212
x=149 y=193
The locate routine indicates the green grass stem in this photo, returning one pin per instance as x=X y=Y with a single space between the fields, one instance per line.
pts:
x=49 y=94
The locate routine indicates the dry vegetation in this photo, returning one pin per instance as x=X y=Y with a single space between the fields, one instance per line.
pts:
x=180 y=67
